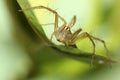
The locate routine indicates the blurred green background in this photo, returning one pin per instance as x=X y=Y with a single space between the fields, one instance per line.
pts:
x=23 y=57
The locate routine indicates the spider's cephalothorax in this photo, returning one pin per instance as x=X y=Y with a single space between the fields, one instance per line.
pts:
x=63 y=33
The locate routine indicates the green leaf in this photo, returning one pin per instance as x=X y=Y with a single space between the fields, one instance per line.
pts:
x=67 y=51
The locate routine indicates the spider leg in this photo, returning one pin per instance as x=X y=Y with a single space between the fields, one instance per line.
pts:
x=51 y=10
x=72 y=22
x=53 y=32
x=75 y=34
x=52 y=36
x=82 y=36
x=102 y=41
x=48 y=24
x=86 y=35
x=54 y=12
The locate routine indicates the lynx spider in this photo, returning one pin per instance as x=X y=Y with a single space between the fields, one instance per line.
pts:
x=63 y=34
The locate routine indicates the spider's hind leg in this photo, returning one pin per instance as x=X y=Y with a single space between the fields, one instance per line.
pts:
x=83 y=36
x=100 y=40
x=86 y=35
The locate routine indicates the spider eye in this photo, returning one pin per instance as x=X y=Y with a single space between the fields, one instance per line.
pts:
x=67 y=28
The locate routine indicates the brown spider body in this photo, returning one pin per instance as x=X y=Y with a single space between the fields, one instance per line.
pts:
x=64 y=35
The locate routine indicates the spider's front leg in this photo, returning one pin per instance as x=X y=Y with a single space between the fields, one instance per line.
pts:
x=51 y=10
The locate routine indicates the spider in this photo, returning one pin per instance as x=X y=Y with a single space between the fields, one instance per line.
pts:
x=63 y=34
